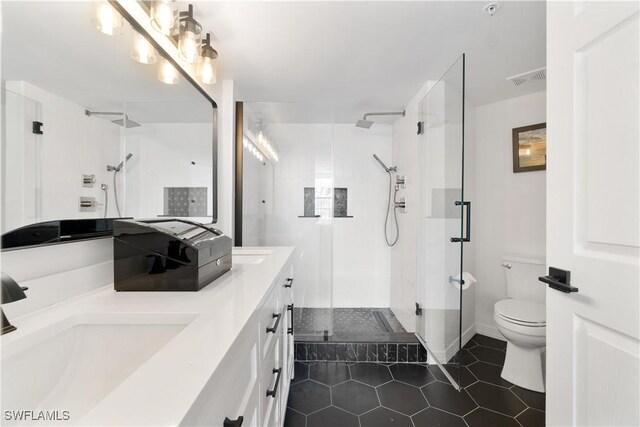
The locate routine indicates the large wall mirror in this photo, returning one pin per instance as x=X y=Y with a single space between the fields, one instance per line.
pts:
x=91 y=134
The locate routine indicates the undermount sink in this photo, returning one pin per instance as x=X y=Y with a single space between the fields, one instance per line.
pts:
x=74 y=364
x=250 y=256
x=247 y=259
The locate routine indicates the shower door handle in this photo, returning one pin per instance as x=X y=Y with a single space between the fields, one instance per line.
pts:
x=467 y=237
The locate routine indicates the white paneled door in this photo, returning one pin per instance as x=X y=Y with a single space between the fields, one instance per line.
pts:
x=593 y=197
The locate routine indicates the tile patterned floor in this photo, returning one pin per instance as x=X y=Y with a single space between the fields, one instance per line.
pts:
x=336 y=394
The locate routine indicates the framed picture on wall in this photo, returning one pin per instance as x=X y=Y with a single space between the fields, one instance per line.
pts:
x=530 y=148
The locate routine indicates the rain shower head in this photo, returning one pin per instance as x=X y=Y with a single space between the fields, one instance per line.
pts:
x=366 y=124
x=124 y=122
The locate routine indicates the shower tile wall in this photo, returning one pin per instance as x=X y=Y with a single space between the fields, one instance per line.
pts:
x=185 y=201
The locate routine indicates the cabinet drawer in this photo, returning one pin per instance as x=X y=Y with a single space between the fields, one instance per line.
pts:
x=234 y=389
x=273 y=374
x=272 y=321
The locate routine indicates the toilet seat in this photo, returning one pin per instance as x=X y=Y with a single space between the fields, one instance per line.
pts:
x=520 y=312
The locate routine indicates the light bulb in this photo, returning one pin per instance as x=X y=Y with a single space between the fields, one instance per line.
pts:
x=106 y=19
x=143 y=52
x=206 y=71
x=163 y=16
x=188 y=45
x=167 y=73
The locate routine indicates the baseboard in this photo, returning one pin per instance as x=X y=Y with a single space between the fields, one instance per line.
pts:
x=490 y=331
x=452 y=349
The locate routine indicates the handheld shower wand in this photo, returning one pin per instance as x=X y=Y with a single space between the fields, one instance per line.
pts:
x=388 y=170
x=115 y=170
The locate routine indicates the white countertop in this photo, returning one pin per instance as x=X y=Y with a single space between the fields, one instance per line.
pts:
x=163 y=389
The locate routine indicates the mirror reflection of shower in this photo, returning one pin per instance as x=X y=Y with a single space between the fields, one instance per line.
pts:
x=115 y=170
x=396 y=204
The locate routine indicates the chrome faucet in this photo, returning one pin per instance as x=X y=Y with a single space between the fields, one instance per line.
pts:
x=11 y=292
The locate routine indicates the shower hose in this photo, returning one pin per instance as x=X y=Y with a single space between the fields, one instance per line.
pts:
x=395 y=216
x=115 y=193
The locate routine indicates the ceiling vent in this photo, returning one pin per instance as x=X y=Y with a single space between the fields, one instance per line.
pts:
x=539 y=74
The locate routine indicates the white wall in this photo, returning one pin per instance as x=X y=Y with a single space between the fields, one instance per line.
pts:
x=226 y=164
x=509 y=213
x=361 y=258
x=162 y=157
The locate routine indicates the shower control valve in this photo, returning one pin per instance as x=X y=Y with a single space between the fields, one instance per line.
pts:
x=400 y=181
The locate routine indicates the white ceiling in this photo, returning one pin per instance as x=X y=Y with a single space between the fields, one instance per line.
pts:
x=365 y=56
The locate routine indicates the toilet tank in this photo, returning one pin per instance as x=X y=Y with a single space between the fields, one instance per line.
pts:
x=521 y=274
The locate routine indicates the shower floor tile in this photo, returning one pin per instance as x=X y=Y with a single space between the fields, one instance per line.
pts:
x=314 y=321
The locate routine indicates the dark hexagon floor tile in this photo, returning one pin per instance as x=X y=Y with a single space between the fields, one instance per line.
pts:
x=435 y=417
x=383 y=417
x=413 y=374
x=294 y=419
x=308 y=396
x=301 y=372
x=370 y=373
x=332 y=417
x=484 y=418
x=490 y=355
x=354 y=397
x=461 y=375
x=496 y=398
x=329 y=373
x=490 y=342
x=444 y=396
x=464 y=358
x=532 y=399
x=489 y=373
x=401 y=397
x=470 y=344
x=531 y=418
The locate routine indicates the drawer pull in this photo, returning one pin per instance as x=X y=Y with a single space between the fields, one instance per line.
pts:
x=233 y=423
x=273 y=392
x=290 y=329
x=273 y=329
x=289 y=282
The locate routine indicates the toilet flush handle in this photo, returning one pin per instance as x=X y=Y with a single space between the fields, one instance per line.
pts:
x=507 y=266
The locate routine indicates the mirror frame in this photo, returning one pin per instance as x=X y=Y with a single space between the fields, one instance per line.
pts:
x=49 y=232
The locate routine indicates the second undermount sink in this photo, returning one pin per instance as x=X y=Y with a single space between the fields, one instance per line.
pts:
x=74 y=364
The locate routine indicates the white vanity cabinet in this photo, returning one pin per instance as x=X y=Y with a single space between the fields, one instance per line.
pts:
x=251 y=385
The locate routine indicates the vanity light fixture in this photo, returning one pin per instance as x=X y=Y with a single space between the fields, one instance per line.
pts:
x=143 y=52
x=189 y=38
x=167 y=73
x=106 y=19
x=164 y=16
x=206 y=68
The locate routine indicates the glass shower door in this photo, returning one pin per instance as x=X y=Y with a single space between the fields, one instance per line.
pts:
x=443 y=226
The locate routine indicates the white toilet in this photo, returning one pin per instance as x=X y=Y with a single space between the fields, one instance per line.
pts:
x=521 y=320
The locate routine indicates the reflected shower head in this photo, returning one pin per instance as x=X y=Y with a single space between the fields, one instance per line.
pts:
x=366 y=124
x=125 y=122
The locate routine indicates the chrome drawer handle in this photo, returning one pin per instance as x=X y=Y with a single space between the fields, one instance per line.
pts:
x=274 y=328
x=288 y=283
x=273 y=392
